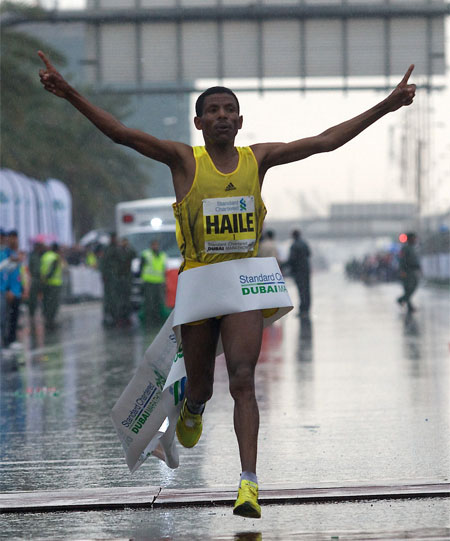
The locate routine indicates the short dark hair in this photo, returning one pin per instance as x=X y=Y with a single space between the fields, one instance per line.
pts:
x=213 y=90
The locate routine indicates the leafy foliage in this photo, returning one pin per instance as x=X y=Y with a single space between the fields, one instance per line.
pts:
x=44 y=137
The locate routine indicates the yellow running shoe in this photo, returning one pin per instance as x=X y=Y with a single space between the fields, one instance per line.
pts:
x=189 y=427
x=246 y=504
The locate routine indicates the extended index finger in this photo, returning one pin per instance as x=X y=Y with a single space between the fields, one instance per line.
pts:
x=404 y=81
x=45 y=60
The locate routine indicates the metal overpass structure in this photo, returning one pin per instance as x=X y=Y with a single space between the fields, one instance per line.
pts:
x=158 y=52
x=164 y=46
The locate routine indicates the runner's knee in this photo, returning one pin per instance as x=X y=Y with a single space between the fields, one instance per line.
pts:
x=200 y=391
x=242 y=381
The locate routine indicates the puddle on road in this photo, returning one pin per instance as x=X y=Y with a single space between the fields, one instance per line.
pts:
x=383 y=520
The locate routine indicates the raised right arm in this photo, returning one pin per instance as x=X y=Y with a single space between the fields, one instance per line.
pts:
x=169 y=152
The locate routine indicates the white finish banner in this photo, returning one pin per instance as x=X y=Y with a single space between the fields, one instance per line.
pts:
x=146 y=413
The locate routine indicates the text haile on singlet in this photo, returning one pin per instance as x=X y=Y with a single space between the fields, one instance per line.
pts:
x=229 y=224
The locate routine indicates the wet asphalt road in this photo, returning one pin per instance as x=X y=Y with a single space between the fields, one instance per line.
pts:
x=358 y=393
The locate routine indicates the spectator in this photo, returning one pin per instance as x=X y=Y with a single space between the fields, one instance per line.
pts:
x=267 y=245
x=75 y=255
x=3 y=245
x=91 y=258
x=12 y=289
x=34 y=268
x=52 y=281
x=125 y=278
x=109 y=267
x=409 y=271
x=298 y=262
x=152 y=271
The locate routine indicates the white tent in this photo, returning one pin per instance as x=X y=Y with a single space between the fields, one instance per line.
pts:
x=35 y=208
x=61 y=202
x=7 y=218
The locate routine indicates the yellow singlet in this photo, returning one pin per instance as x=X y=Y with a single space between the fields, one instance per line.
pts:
x=221 y=217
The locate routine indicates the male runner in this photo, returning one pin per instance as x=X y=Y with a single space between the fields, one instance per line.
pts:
x=217 y=171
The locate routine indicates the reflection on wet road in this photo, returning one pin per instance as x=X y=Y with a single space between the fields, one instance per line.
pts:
x=424 y=520
x=358 y=392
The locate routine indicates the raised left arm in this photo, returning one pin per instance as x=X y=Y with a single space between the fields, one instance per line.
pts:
x=271 y=154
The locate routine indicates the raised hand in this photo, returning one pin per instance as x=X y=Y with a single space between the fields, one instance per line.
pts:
x=404 y=93
x=52 y=80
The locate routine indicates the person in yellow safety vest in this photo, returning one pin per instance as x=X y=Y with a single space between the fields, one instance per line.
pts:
x=153 y=276
x=91 y=259
x=52 y=281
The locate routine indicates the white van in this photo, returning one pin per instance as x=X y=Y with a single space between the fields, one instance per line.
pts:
x=143 y=221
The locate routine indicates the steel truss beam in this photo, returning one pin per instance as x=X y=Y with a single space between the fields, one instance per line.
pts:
x=257 y=15
x=256 y=12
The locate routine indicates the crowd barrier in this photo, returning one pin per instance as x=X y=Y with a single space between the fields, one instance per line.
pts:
x=82 y=283
x=436 y=267
x=85 y=283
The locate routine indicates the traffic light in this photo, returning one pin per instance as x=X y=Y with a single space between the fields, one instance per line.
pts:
x=403 y=237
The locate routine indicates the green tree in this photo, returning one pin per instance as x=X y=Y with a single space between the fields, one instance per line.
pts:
x=45 y=137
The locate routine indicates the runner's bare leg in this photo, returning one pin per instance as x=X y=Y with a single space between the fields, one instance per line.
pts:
x=241 y=337
x=199 y=349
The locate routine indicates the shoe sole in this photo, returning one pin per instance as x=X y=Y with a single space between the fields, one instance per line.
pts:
x=246 y=510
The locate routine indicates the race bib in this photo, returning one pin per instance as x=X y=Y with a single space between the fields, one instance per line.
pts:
x=229 y=224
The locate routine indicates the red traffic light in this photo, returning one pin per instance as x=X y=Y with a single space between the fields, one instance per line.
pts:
x=403 y=237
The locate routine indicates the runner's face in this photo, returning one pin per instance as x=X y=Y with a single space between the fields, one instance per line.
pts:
x=220 y=120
